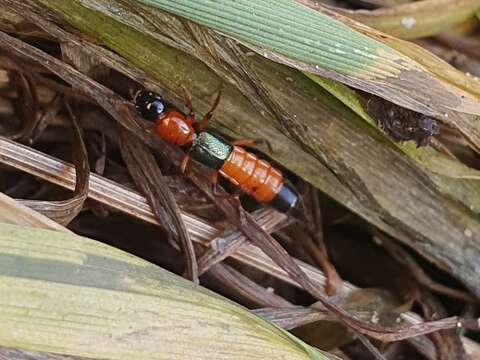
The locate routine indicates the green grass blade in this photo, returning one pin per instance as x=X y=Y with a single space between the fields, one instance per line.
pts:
x=312 y=41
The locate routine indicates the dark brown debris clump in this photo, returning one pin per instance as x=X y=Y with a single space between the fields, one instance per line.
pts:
x=402 y=124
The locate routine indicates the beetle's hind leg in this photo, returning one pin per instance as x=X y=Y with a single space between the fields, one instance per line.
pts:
x=184 y=163
x=203 y=123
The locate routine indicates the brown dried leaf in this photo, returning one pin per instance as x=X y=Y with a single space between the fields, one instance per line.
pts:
x=447 y=342
x=14 y=212
x=407 y=260
x=148 y=177
x=26 y=105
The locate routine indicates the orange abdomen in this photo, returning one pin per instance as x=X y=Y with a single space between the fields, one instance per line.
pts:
x=255 y=177
x=175 y=128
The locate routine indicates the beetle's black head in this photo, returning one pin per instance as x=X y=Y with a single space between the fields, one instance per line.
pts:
x=149 y=104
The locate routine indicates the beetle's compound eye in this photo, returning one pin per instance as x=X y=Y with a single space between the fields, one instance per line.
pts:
x=149 y=104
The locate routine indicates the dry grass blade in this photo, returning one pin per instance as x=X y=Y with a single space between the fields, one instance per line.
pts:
x=405 y=259
x=227 y=244
x=28 y=105
x=312 y=239
x=337 y=141
x=246 y=287
x=116 y=108
x=60 y=211
x=101 y=189
x=82 y=169
x=148 y=177
x=448 y=344
x=14 y=212
x=442 y=168
x=64 y=211
x=130 y=202
x=224 y=273
x=319 y=254
x=292 y=317
x=465 y=123
x=15 y=354
x=371 y=348
x=48 y=115
x=247 y=225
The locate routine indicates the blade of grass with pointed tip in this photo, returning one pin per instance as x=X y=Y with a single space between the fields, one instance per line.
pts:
x=67 y=294
x=313 y=41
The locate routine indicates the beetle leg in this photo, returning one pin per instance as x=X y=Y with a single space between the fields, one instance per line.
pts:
x=203 y=123
x=184 y=163
x=214 y=181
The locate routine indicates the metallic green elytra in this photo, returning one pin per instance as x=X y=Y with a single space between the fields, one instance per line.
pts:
x=210 y=150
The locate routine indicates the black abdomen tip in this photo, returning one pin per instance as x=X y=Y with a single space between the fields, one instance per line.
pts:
x=285 y=199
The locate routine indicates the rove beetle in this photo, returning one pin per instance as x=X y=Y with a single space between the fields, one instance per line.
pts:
x=253 y=176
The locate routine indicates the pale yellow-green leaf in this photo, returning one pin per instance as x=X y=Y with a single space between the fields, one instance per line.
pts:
x=345 y=95
x=66 y=294
x=418 y=18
